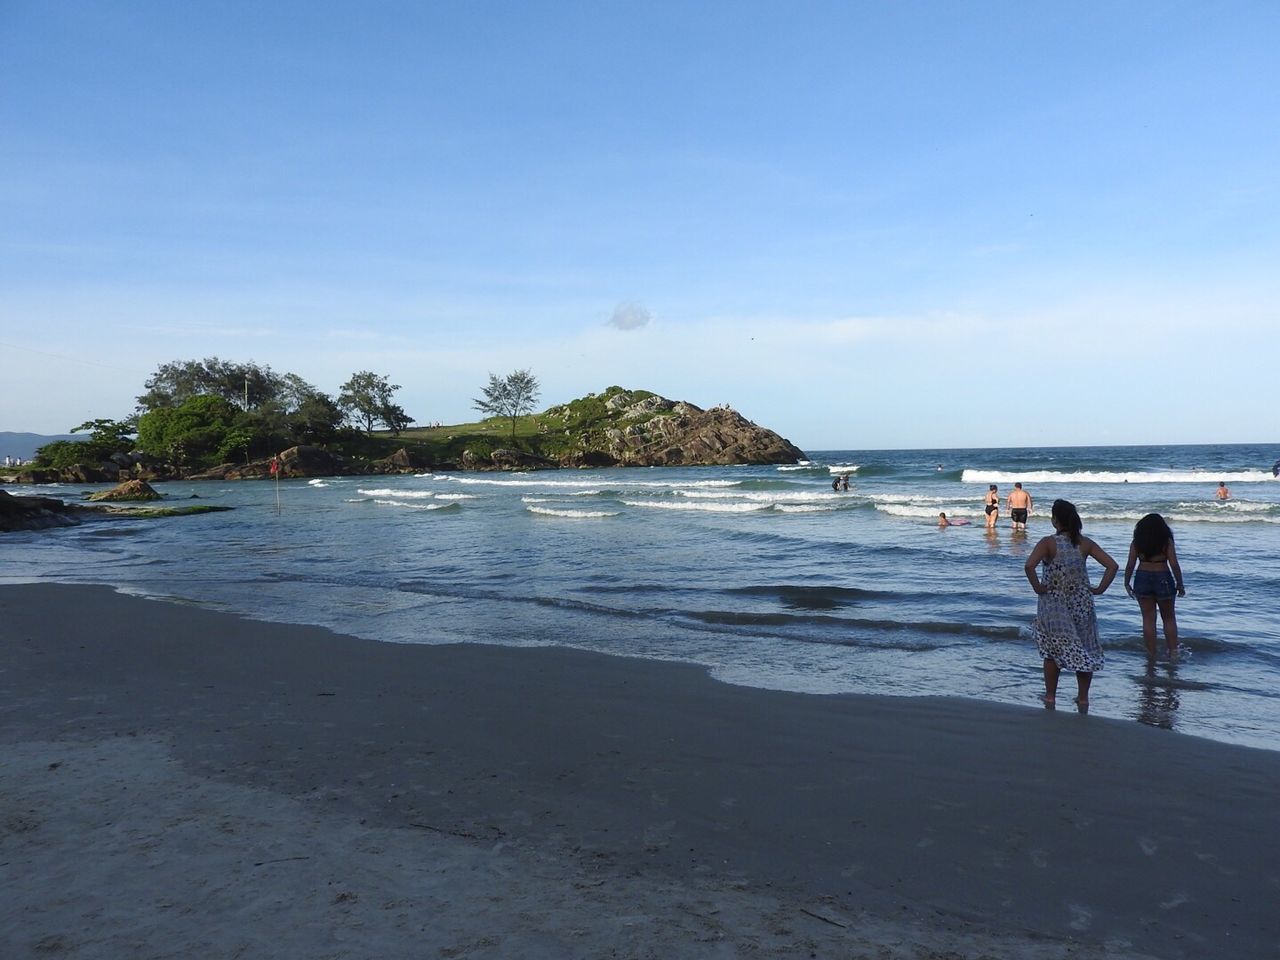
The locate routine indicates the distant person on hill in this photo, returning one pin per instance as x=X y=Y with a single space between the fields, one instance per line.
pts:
x=1156 y=578
x=1222 y=492
x=1019 y=506
x=1066 y=625
x=992 y=506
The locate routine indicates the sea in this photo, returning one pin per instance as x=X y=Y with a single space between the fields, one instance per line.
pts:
x=763 y=574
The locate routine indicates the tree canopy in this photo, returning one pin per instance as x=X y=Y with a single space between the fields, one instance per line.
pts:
x=366 y=399
x=106 y=438
x=511 y=396
x=175 y=382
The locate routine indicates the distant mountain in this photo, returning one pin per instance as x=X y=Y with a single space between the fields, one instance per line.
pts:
x=24 y=445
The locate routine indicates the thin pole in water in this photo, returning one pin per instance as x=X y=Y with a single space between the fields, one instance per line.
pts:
x=275 y=472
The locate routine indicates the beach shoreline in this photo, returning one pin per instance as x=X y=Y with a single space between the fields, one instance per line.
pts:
x=289 y=791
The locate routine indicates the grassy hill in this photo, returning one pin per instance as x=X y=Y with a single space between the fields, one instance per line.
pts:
x=556 y=431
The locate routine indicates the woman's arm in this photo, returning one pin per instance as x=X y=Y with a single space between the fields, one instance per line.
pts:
x=1044 y=550
x=1171 y=554
x=1128 y=568
x=1109 y=567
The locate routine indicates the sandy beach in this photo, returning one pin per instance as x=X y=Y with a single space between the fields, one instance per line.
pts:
x=178 y=782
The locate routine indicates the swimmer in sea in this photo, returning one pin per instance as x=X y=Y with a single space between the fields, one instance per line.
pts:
x=992 y=506
x=1019 y=506
x=1222 y=493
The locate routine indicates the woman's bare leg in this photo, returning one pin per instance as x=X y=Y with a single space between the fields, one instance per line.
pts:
x=1050 y=681
x=1170 y=621
x=1083 y=682
x=1148 y=607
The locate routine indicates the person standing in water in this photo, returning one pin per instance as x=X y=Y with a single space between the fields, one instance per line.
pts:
x=1019 y=506
x=1066 y=624
x=1156 y=578
x=1222 y=493
x=992 y=506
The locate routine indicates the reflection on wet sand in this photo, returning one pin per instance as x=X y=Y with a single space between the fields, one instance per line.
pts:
x=1158 y=695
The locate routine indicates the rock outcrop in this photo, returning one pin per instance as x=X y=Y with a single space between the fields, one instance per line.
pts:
x=402 y=461
x=505 y=459
x=647 y=430
x=129 y=490
x=33 y=513
x=300 y=461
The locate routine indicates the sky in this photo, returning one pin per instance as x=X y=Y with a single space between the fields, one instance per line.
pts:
x=862 y=224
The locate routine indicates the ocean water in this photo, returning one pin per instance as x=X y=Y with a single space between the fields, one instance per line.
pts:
x=763 y=574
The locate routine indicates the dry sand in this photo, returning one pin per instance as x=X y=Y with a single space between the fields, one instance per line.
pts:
x=176 y=782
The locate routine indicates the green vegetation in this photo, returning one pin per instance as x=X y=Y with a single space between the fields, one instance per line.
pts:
x=106 y=438
x=149 y=512
x=198 y=414
x=511 y=396
x=366 y=400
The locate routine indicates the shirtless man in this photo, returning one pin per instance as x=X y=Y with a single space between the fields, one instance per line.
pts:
x=1223 y=493
x=1019 y=506
x=992 y=506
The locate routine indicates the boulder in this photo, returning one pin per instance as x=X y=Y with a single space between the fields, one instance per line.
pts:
x=33 y=513
x=107 y=472
x=307 y=461
x=402 y=461
x=129 y=490
x=504 y=458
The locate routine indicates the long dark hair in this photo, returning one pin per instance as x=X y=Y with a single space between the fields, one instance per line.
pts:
x=1068 y=517
x=1151 y=535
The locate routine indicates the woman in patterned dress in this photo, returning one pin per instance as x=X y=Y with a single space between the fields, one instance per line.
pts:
x=1066 y=627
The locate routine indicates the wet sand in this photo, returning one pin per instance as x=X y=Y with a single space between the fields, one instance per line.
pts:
x=179 y=782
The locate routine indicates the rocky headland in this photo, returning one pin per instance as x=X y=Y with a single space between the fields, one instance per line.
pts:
x=619 y=427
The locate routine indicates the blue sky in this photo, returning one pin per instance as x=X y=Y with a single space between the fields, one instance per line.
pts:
x=861 y=224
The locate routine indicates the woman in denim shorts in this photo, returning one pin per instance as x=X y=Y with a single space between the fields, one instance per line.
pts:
x=1155 y=580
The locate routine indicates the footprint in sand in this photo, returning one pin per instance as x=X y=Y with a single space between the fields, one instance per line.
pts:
x=1039 y=858
x=1177 y=900
x=1081 y=917
x=1149 y=846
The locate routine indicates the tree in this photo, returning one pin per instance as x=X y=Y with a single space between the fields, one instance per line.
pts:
x=175 y=382
x=193 y=433
x=106 y=438
x=366 y=400
x=511 y=396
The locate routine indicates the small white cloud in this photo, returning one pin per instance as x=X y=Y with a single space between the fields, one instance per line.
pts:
x=629 y=316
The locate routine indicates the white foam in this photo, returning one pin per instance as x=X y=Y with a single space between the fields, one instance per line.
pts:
x=572 y=514
x=761 y=496
x=843 y=468
x=713 y=507
x=414 y=506
x=1104 y=476
x=592 y=485
x=1212 y=516
x=802 y=508
x=388 y=492
x=908 y=498
x=918 y=512
x=317 y=482
x=455 y=496
x=1236 y=506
